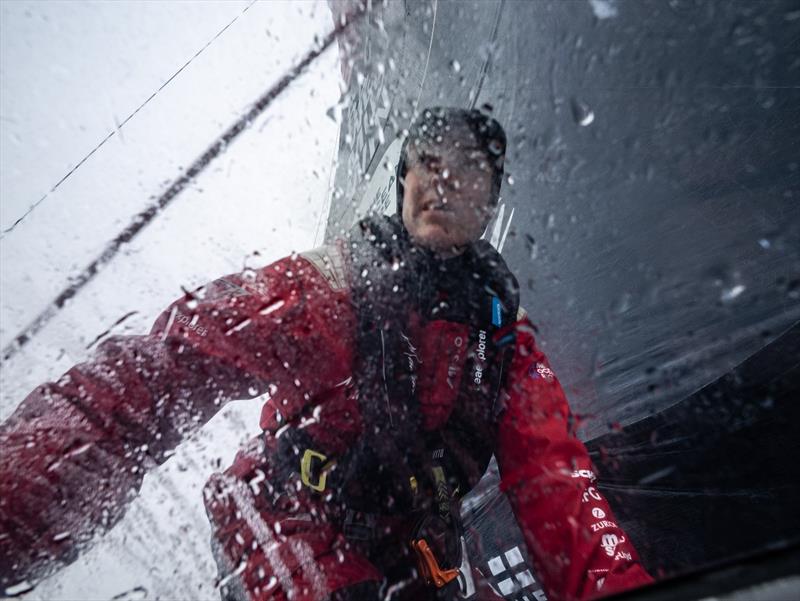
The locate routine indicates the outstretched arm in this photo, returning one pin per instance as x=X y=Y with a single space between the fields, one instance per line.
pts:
x=75 y=451
x=577 y=546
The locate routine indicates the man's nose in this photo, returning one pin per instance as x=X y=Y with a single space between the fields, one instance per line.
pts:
x=431 y=178
x=445 y=181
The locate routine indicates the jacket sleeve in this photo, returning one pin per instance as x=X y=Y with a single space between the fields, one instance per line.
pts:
x=577 y=547
x=75 y=450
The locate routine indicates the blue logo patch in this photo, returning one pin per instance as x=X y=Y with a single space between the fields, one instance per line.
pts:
x=497 y=312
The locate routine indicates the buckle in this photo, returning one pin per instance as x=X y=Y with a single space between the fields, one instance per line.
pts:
x=320 y=473
x=433 y=574
x=429 y=567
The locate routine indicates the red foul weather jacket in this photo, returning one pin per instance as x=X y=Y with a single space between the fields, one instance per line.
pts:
x=75 y=451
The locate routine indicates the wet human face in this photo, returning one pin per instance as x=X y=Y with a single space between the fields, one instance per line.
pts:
x=447 y=197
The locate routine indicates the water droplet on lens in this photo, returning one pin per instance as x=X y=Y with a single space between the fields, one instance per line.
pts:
x=729 y=294
x=622 y=304
x=18 y=589
x=134 y=594
x=581 y=112
x=530 y=242
x=272 y=307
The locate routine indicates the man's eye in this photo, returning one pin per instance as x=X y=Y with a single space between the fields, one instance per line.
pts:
x=428 y=160
x=479 y=165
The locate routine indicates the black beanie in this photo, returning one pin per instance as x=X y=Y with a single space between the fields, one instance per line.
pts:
x=435 y=121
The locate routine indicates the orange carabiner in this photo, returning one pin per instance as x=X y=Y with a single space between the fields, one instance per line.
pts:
x=429 y=567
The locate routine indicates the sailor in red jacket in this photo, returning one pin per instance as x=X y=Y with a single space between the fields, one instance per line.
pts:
x=396 y=362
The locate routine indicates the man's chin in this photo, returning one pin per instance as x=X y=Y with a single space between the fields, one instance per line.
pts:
x=437 y=240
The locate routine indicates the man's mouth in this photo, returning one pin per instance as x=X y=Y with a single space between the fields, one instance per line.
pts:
x=437 y=204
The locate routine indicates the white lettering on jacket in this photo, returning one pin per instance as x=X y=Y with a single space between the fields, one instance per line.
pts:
x=545 y=372
x=592 y=493
x=412 y=356
x=598 y=513
x=191 y=323
x=609 y=543
x=453 y=367
x=479 y=364
x=602 y=525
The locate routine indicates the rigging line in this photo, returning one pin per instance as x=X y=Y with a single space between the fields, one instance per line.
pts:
x=428 y=58
x=120 y=126
x=145 y=217
x=325 y=214
x=485 y=66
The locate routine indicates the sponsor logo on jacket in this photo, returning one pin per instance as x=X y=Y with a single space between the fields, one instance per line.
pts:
x=540 y=370
x=591 y=493
x=413 y=361
x=191 y=323
x=454 y=367
x=497 y=312
x=480 y=362
x=602 y=525
x=609 y=543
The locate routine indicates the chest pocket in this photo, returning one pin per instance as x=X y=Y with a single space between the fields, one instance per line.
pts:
x=441 y=349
